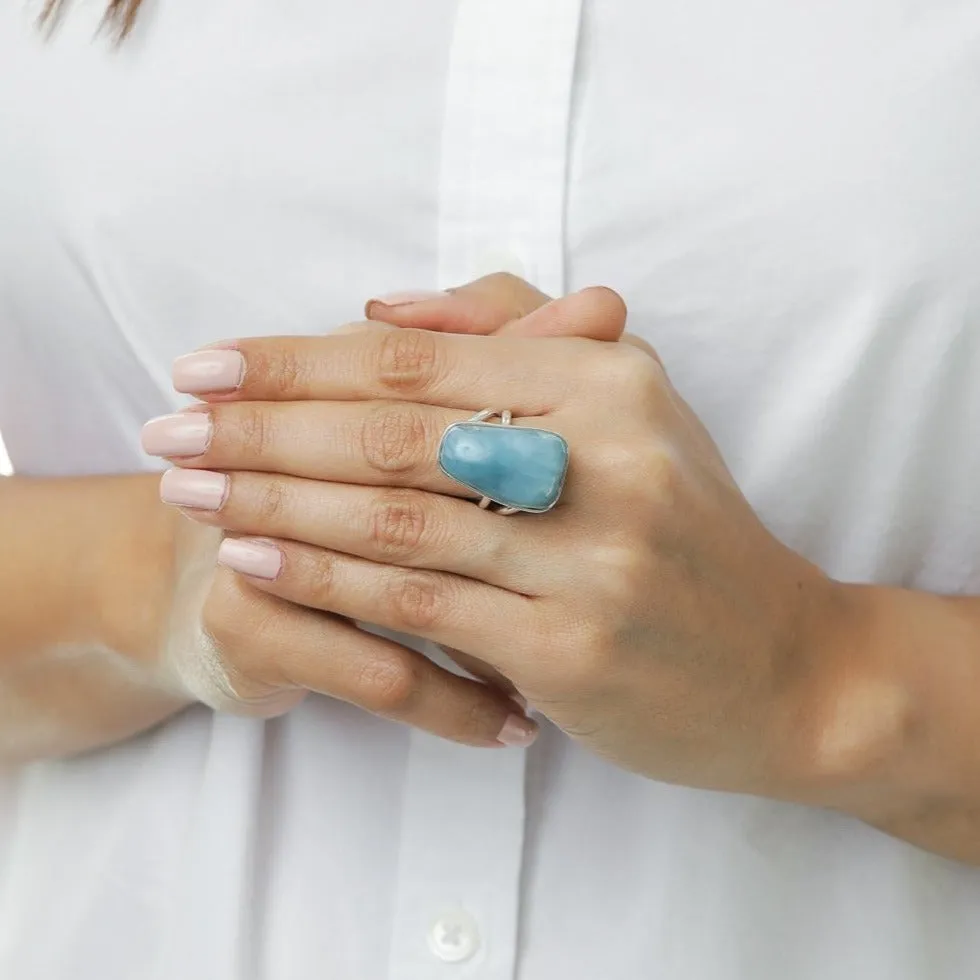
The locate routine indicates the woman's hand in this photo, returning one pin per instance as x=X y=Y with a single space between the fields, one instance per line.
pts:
x=650 y=614
x=248 y=652
x=224 y=640
x=245 y=651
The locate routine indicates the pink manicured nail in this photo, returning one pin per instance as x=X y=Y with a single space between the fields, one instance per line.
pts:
x=250 y=557
x=518 y=732
x=187 y=434
x=208 y=371
x=194 y=488
x=408 y=297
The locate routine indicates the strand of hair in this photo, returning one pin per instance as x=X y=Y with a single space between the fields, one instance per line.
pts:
x=120 y=15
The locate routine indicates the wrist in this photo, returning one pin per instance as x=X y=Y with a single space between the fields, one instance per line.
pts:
x=132 y=572
x=133 y=590
x=86 y=585
x=885 y=722
x=849 y=712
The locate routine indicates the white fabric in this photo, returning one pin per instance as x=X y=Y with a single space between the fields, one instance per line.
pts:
x=787 y=196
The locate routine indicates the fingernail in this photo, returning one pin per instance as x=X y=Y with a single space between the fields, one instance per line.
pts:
x=518 y=732
x=207 y=371
x=259 y=559
x=187 y=434
x=194 y=488
x=403 y=299
x=409 y=296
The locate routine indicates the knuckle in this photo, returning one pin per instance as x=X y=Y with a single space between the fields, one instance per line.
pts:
x=398 y=524
x=255 y=430
x=632 y=373
x=616 y=466
x=652 y=481
x=279 y=370
x=519 y=296
x=638 y=474
x=589 y=646
x=661 y=476
x=495 y=550
x=321 y=576
x=418 y=600
x=504 y=280
x=512 y=288
x=289 y=374
x=622 y=570
x=272 y=502
x=386 y=685
x=395 y=439
x=408 y=360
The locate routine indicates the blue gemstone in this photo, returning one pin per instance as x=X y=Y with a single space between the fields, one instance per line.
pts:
x=513 y=466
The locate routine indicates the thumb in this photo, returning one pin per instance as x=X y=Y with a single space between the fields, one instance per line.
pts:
x=596 y=313
x=504 y=304
x=480 y=307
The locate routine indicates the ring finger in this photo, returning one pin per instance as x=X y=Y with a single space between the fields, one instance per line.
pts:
x=368 y=443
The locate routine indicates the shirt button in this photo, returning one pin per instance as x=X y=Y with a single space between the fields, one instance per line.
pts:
x=500 y=260
x=454 y=936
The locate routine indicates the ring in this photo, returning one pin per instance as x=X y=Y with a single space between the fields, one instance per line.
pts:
x=517 y=468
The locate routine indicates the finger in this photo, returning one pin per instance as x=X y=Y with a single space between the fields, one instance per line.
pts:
x=640 y=344
x=288 y=646
x=410 y=528
x=486 y=673
x=484 y=308
x=526 y=375
x=480 y=307
x=367 y=443
x=604 y=319
x=447 y=609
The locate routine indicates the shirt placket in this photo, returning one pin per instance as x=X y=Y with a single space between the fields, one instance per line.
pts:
x=505 y=140
x=502 y=208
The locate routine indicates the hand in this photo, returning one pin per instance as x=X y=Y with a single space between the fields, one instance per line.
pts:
x=247 y=652
x=220 y=652
x=650 y=615
x=501 y=305
x=497 y=305
x=233 y=649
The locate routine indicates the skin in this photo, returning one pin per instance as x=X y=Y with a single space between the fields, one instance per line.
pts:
x=652 y=616
x=86 y=575
x=102 y=633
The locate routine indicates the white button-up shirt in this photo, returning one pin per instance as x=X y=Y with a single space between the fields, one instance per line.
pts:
x=786 y=193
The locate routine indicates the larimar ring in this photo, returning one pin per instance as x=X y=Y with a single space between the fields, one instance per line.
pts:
x=517 y=468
